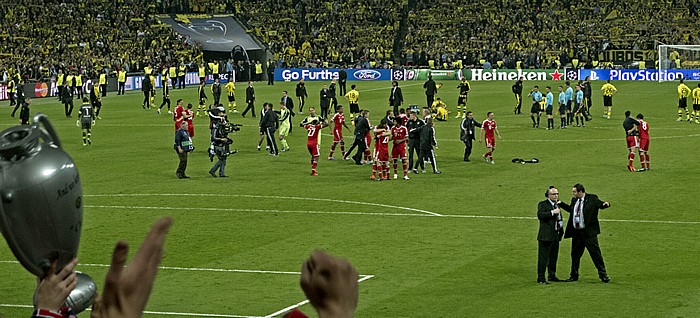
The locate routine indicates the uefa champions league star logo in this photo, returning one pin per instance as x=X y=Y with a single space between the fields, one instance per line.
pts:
x=572 y=75
x=213 y=29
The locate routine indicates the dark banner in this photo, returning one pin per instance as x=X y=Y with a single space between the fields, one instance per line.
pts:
x=626 y=56
x=219 y=34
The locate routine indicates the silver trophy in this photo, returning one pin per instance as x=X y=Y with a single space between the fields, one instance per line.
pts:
x=41 y=208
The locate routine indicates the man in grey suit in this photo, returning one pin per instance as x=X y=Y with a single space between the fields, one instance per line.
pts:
x=551 y=231
x=583 y=229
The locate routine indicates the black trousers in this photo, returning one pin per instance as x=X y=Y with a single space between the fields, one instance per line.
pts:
x=519 y=98
x=183 y=164
x=270 y=79
x=580 y=243
x=80 y=92
x=302 y=102
x=324 y=108
x=334 y=104
x=68 y=105
x=120 y=89
x=217 y=98
x=181 y=81
x=271 y=140
x=396 y=105
x=361 y=145
x=343 y=88
x=103 y=89
x=173 y=81
x=428 y=155
x=430 y=99
x=12 y=99
x=251 y=107
x=467 y=148
x=414 y=145
x=547 y=254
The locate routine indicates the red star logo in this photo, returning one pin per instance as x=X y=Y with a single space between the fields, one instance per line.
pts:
x=556 y=76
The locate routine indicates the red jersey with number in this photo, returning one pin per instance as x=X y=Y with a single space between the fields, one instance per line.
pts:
x=643 y=130
x=404 y=119
x=489 y=127
x=312 y=133
x=177 y=116
x=381 y=146
x=399 y=132
x=338 y=120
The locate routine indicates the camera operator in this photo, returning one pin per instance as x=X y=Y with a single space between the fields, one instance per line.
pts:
x=221 y=142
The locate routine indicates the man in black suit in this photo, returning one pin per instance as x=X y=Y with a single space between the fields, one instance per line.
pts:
x=583 y=228
x=396 y=97
x=249 y=99
x=467 y=133
x=430 y=90
x=342 y=80
x=551 y=231
x=361 y=128
x=325 y=98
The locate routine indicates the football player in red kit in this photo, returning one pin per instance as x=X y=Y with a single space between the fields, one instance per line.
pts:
x=338 y=124
x=399 y=133
x=313 y=130
x=380 y=167
x=643 y=142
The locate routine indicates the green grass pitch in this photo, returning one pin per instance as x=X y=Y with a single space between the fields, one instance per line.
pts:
x=477 y=259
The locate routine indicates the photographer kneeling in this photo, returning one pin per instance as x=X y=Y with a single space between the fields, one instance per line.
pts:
x=221 y=142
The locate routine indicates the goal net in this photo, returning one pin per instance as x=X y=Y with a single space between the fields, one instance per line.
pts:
x=678 y=61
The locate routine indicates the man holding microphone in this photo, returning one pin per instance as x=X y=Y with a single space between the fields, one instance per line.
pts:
x=549 y=235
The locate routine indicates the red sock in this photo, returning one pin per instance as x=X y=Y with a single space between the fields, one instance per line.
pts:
x=374 y=169
x=396 y=167
x=647 y=160
x=314 y=162
x=342 y=147
x=378 y=169
x=332 y=149
x=405 y=167
x=631 y=158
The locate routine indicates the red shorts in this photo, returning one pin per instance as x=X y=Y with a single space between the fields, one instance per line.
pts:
x=313 y=149
x=491 y=142
x=644 y=144
x=190 y=128
x=337 y=135
x=632 y=142
x=398 y=152
x=381 y=155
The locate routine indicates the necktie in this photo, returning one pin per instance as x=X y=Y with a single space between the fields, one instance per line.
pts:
x=577 y=217
x=557 y=225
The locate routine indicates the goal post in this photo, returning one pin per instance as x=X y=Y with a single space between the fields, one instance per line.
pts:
x=678 y=61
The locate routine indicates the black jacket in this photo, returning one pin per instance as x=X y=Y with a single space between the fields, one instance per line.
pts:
x=591 y=206
x=216 y=89
x=301 y=90
x=430 y=87
x=427 y=137
x=331 y=90
x=467 y=129
x=269 y=120
x=517 y=87
x=342 y=76
x=548 y=222
x=325 y=95
x=289 y=103
x=249 y=94
x=361 y=126
x=395 y=96
x=413 y=128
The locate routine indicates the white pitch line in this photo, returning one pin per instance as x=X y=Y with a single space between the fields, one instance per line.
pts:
x=130 y=207
x=386 y=214
x=302 y=303
x=197 y=269
x=263 y=197
x=148 y=312
x=577 y=140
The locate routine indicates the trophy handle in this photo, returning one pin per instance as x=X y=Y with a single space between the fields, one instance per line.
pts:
x=48 y=128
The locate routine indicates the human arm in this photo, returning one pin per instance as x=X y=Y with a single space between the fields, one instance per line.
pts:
x=127 y=289
x=331 y=285
x=498 y=133
x=54 y=288
x=545 y=211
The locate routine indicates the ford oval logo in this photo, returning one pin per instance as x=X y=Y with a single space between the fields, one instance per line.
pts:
x=367 y=75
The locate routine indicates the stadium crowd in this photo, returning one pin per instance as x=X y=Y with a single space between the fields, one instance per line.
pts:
x=38 y=39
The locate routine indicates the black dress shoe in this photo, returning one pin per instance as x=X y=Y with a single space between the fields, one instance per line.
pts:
x=555 y=279
x=605 y=279
x=179 y=176
x=223 y=176
x=542 y=282
x=185 y=177
x=571 y=279
x=212 y=174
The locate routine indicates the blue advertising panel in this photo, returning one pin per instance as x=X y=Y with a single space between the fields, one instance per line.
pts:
x=327 y=74
x=639 y=75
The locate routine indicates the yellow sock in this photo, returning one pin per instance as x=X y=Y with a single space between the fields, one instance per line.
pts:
x=230 y=107
x=680 y=113
x=234 y=106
